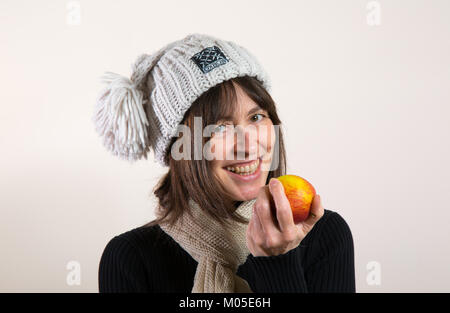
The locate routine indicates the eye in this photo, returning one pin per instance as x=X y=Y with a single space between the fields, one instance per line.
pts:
x=221 y=128
x=261 y=117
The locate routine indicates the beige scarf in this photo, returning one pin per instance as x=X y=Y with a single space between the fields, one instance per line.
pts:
x=218 y=251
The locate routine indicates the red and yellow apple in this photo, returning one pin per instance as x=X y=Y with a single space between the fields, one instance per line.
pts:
x=300 y=194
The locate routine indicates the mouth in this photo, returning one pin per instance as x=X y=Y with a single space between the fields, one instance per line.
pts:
x=245 y=171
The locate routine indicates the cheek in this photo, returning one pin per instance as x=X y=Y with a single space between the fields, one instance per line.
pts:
x=267 y=143
x=220 y=148
x=266 y=135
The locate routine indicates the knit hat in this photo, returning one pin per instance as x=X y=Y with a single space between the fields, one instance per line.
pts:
x=143 y=112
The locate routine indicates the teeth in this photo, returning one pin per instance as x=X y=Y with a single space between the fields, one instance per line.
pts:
x=244 y=170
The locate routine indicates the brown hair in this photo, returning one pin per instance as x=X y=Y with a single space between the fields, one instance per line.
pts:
x=194 y=178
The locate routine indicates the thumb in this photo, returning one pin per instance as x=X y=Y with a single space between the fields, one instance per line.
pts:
x=316 y=211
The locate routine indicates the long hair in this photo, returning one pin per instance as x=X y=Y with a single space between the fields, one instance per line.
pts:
x=194 y=178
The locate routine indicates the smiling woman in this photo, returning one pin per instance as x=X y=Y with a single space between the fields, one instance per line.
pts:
x=217 y=190
x=223 y=224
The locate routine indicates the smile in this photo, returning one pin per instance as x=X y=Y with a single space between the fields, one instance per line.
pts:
x=248 y=169
x=245 y=172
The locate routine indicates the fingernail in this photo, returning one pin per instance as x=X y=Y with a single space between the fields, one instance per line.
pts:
x=272 y=182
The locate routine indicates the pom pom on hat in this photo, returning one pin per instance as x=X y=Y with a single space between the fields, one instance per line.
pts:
x=167 y=82
x=120 y=118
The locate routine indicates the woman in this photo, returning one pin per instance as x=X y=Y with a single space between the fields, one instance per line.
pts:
x=223 y=222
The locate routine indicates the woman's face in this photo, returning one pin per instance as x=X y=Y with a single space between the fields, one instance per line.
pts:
x=242 y=148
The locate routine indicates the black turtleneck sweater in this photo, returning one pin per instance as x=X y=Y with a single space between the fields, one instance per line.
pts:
x=146 y=259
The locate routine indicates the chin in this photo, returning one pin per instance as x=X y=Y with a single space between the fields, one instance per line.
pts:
x=249 y=192
x=246 y=197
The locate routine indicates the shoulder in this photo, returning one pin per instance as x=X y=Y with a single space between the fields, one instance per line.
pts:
x=337 y=225
x=126 y=261
x=333 y=233
x=134 y=241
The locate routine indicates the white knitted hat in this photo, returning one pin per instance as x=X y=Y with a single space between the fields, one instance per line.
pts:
x=143 y=112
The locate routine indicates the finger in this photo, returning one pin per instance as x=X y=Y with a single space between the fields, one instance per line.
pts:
x=316 y=212
x=283 y=207
x=254 y=243
x=258 y=231
x=264 y=213
x=257 y=223
x=250 y=243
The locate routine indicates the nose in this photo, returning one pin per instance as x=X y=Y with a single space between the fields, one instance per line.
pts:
x=246 y=142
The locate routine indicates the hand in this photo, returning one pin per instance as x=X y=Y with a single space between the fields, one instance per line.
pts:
x=273 y=234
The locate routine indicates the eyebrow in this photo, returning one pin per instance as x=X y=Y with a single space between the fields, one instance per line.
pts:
x=256 y=108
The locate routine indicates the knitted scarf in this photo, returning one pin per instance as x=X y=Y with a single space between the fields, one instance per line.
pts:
x=218 y=250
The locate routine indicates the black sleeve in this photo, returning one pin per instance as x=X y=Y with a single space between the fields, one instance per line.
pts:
x=333 y=272
x=279 y=273
x=121 y=268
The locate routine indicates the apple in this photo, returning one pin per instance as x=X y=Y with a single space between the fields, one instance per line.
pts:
x=300 y=194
